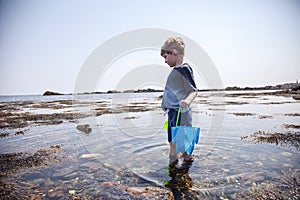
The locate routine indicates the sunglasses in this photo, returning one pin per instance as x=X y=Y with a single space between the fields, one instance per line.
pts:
x=162 y=52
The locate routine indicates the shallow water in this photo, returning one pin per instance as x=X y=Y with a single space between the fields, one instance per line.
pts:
x=127 y=149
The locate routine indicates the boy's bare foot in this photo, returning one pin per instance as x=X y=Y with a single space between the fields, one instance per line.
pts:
x=173 y=162
x=173 y=158
x=188 y=158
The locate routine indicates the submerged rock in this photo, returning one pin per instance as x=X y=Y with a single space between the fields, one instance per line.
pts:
x=84 y=128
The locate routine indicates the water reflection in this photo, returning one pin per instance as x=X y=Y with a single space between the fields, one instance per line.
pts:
x=181 y=182
x=138 y=156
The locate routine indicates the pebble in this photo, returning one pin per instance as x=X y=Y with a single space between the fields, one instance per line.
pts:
x=35 y=197
x=72 y=192
x=259 y=163
x=286 y=165
x=56 y=194
x=223 y=198
x=287 y=154
x=90 y=155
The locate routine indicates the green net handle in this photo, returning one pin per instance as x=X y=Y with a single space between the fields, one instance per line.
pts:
x=178 y=116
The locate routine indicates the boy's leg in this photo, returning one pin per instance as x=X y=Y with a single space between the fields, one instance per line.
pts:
x=173 y=155
x=187 y=157
x=172 y=116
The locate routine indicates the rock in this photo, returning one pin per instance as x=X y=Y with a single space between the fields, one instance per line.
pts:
x=19 y=133
x=128 y=91
x=72 y=192
x=56 y=194
x=296 y=88
x=49 y=93
x=107 y=184
x=147 y=90
x=4 y=124
x=286 y=154
x=84 y=128
x=91 y=155
x=35 y=197
x=112 y=91
x=2 y=135
x=296 y=97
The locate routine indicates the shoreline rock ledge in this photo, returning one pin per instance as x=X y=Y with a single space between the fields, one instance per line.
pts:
x=49 y=93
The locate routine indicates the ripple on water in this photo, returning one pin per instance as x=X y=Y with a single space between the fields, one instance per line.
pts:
x=134 y=143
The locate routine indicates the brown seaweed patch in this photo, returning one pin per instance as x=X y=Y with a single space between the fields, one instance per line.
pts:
x=293 y=114
x=128 y=118
x=265 y=117
x=214 y=109
x=12 y=120
x=276 y=103
x=132 y=108
x=119 y=108
x=11 y=162
x=58 y=104
x=138 y=109
x=235 y=103
x=13 y=106
x=291 y=126
x=249 y=97
x=284 y=139
x=11 y=115
x=19 y=133
x=244 y=114
x=227 y=103
x=20 y=120
x=3 y=135
x=289 y=188
x=284 y=93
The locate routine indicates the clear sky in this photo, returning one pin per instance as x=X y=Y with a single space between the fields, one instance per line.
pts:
x=43 y=44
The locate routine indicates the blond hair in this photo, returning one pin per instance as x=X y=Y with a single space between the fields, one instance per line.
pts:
x=173 y=43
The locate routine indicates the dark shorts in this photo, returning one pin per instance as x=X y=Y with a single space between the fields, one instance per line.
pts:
x=185 y=119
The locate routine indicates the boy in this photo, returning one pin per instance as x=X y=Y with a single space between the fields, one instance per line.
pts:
x=180 y=90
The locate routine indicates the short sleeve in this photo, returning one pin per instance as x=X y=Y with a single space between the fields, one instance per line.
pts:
x=188 y=78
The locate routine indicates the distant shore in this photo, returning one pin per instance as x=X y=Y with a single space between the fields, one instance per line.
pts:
x=286 y=86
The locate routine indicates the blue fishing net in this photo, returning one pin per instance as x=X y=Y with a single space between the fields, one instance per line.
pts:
x=185 y=138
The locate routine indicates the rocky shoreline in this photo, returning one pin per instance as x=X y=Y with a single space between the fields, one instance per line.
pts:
x=51 y=93
x=285 y=87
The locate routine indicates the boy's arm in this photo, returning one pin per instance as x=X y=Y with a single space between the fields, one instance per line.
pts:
x=188 y=100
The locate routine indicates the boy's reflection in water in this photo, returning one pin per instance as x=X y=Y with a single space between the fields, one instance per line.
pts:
x=181 y=183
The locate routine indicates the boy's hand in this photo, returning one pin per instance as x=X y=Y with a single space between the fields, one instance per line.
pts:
x=184 y=103
x=188 y=100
